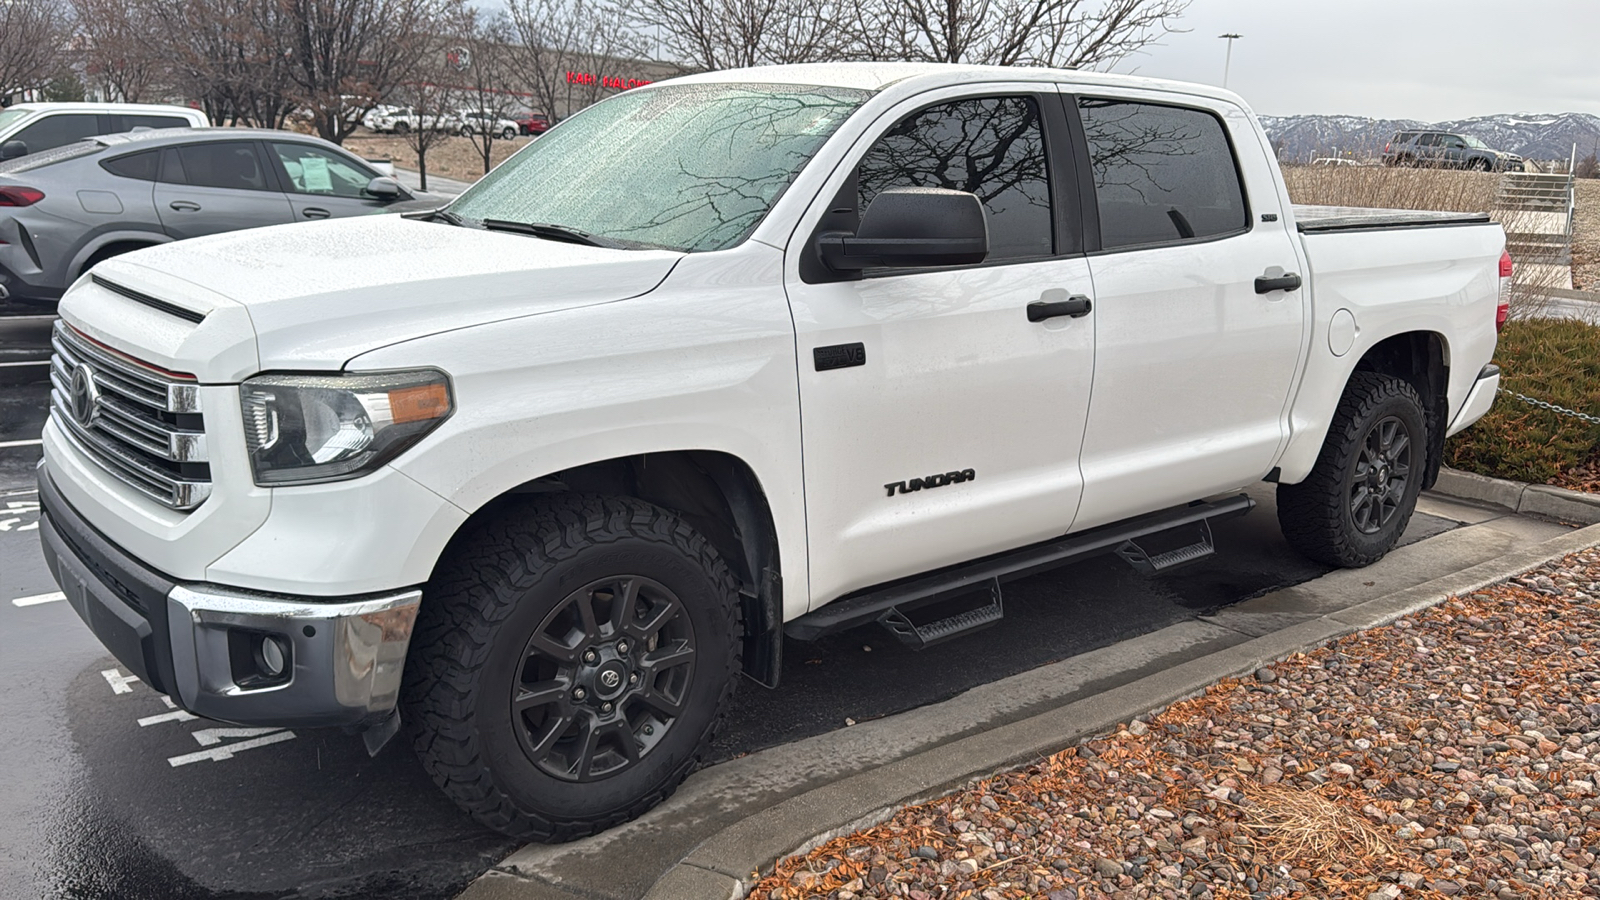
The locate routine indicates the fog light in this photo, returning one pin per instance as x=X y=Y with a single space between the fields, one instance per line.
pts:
x=273 y=656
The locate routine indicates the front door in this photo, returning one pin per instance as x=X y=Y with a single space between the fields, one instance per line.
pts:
x=939 y=423
x=1193 y=363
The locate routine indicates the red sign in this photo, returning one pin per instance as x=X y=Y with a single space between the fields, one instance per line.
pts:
x=610 y=81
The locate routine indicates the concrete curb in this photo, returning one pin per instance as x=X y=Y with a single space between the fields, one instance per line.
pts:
x=1529 y=499
x=723 y=865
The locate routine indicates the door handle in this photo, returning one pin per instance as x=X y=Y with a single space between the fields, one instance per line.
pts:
x=1076 y=306
x=185 y=206
x=315 y=212
x=1267 y=284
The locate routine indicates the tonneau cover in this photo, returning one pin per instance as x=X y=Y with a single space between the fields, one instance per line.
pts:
x=1348 y=218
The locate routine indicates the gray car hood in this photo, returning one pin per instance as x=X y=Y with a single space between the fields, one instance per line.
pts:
x=315 y=295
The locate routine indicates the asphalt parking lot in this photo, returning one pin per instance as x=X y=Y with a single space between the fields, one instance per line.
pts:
x=111 y=793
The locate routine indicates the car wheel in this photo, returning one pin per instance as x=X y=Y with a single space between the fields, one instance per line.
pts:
x=572 y=661
x=402 y=128
x=508 y=133
x=1479 y=165
x=1359 y=497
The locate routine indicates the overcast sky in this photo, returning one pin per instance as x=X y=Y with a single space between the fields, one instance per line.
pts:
x=1412 y=59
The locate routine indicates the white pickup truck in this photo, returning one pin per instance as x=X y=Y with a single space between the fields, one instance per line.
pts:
x=725 y=359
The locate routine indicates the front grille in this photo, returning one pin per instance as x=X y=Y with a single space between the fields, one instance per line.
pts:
x=140 y=423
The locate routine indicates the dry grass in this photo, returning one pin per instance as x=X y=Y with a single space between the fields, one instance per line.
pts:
x=452 y=157
x=1382 y=187
x=1305 y=826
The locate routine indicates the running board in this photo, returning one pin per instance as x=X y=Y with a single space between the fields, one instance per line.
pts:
x=1151 y=564
x=889 y=603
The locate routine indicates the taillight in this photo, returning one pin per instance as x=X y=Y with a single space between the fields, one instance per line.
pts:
x=1386 y=147
x=11 y=195
x=1503 y=311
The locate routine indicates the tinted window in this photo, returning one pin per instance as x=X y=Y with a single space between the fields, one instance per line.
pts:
x=53 y=131
x=1428 y=140
x=129 y=123
x=1161 y=173
x=993 y=147
x=134 y=165
x=228 y=165
x=314 y=170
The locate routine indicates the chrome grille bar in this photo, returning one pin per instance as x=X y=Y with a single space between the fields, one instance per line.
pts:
x=135 y=421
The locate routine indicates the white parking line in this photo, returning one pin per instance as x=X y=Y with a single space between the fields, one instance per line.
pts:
x=226 y=751
x=37 y=599
x=176 y=715
x=33 y=443
x=120 y=683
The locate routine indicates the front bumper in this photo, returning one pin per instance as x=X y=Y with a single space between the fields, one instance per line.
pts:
x=201 y=644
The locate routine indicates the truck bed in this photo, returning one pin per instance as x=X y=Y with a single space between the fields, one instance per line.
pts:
x=1311 y=219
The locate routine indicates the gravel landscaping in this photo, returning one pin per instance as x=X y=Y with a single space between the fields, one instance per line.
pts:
x=1453 y=753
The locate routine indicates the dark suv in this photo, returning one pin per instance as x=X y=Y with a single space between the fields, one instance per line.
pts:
x=1442 y=149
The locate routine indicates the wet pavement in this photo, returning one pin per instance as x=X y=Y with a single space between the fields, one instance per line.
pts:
x=108 y=792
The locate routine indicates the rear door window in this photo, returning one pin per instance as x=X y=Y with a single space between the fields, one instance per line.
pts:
x=1162 y=174
x=227 y=164
x=58 y=129
x=130 y=122
x=992 y=147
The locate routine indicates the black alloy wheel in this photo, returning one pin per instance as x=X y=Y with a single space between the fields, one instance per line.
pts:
x=604 y=679
x=1381 y=475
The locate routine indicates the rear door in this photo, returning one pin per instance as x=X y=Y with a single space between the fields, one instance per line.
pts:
x=1193 y=363
x=322 y=183
x=939 y=423
x=215 y=187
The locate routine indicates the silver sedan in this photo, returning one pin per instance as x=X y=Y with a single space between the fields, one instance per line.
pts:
x=65 y=209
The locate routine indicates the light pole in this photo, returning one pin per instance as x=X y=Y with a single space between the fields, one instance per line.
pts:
x=1228 y=63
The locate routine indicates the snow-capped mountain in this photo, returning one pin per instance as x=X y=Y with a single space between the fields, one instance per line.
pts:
x=1536 y=136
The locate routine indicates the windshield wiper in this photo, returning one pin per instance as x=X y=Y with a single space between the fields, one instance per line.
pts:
x=445 y=215
x=551 y=232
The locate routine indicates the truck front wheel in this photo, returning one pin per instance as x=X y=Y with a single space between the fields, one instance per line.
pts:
x=1359 y=497
x=572 y=661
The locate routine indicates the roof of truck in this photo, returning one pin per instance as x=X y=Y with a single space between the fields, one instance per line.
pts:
x=876 y=76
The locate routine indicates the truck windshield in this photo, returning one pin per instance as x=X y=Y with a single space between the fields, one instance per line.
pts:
x=680 y=167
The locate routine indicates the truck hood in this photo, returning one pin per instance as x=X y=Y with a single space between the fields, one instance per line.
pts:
x=312 y=296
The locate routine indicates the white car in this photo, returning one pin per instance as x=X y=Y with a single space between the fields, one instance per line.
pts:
x=404 y=119
x=35 y=127
x=475 y=121
x=551 y=471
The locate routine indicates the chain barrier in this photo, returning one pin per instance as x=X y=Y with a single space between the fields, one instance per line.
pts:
x=1562 y=410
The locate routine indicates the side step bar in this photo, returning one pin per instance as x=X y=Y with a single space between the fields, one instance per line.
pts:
x=888 y=604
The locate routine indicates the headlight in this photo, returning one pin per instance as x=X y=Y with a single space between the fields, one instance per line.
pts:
x=304 y=429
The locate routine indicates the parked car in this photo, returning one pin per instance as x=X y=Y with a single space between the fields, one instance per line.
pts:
x=1441 y=149
x=65 y=210
x=533 y=123
x=404 y=119
x=474 y=121
x=371 y=117
x=553 y=469
x=32 y=127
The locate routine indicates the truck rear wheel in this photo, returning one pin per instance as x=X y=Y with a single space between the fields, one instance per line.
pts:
x=572 y=662
x=1359 y=497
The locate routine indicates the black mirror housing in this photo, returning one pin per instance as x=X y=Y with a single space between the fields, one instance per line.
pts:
x=13 y=149
x=912 y=228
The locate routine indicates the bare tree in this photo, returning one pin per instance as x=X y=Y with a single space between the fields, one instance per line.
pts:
x=485 y=74
x=1067 y=34
x=434 y=99
x=345 y=55
x=555 y=43
x=121 y=44
x=227 y=55
x=30 y=44
x=722 y=34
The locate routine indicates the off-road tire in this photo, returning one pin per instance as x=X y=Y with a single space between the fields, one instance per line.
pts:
x=1316 y=515
x=483 y=605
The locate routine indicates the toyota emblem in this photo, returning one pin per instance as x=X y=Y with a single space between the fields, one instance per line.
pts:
x=610 y=678
x=85 y=397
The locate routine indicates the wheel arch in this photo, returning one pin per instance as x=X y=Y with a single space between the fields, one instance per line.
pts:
x=1422 y=359
x=117 y=242
x=715 y=492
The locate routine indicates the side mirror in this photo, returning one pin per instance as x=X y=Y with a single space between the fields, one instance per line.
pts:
x=13 y=149
x=385 y=188
x=912 y=228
